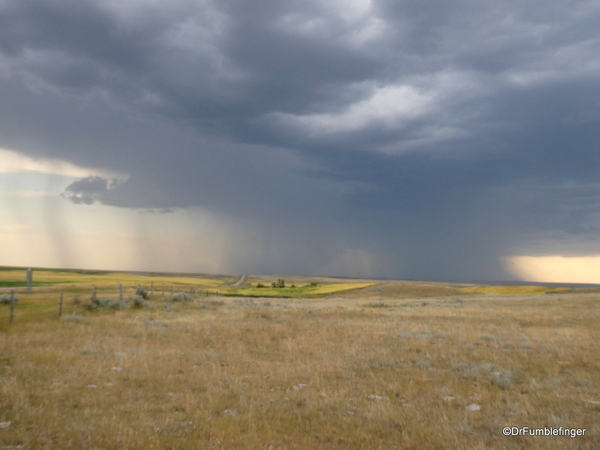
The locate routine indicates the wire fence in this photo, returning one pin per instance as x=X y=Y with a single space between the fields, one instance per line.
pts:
x=42 y=303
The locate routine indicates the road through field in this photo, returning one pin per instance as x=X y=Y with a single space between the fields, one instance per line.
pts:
x=238 y=282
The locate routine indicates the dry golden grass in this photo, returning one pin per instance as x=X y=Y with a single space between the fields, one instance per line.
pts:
x=348 y=372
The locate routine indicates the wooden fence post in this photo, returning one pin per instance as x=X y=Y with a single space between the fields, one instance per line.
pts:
x=29 y=280
x=94 y=293
x=152 y=289
x=120 y=292
x=60 y=306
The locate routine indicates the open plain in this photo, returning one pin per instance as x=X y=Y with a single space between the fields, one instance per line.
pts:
x=390 y=365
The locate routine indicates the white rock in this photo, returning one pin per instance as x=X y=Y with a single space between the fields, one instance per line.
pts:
x=377 y=397
x=473 y=407
x=4 y=424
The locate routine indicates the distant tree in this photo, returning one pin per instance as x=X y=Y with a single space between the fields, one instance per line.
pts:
x=280 y=284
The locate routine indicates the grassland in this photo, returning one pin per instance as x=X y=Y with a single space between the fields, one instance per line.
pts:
x=15 y=277
x=11 y=277
x=301 y=290
x=515 y=290
x=368 y=368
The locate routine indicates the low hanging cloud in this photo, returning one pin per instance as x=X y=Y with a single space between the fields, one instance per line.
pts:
x=87 y=190
x=434 y=139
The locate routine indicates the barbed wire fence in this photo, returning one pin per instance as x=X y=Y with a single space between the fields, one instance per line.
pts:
x=28 y=304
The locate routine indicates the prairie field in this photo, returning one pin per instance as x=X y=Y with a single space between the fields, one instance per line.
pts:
x=15 y=277
x=388 y=365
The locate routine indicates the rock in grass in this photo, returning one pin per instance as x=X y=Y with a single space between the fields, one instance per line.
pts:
x=377 y=397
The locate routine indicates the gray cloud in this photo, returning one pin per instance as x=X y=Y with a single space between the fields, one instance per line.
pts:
x=437 y=136
x=86 y=190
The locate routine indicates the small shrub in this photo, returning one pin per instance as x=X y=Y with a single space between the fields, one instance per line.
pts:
x=426 y=334
x=6 y=298
x=377 y=363
x=212 y=304
x=504 y=380
x=487 y=367
x=245 y=302
x=313 y=284
x=423 y=364
x=140 y=302
x=182 y=297
x=72 y=318
x=105 y=303
x=260 y=285
x=142 y=292
x=378 y=305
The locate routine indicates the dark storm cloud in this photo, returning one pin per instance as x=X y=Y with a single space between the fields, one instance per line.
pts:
x=86 y=190
x=439 y=136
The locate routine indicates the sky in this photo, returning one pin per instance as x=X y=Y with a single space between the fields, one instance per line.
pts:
x=455 y=140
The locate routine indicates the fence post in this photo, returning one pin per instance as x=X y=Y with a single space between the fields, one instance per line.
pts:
x=12 y=306
x=120 y=292
x=163 y=290
x=94 y=294
x=171 y=290
x=29 y=280
x=152 y=289
x=60 y=306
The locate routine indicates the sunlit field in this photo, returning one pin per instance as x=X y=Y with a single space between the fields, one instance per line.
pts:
x=391 y=365
x=512 y=290
x=10 y=277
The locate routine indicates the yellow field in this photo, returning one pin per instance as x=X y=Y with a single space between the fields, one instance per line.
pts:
x=45 y=277
x=362 y=369
x=301 y=290
x=514 y=290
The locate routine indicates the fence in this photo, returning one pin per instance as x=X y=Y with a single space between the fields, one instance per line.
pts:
x=53 y=302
